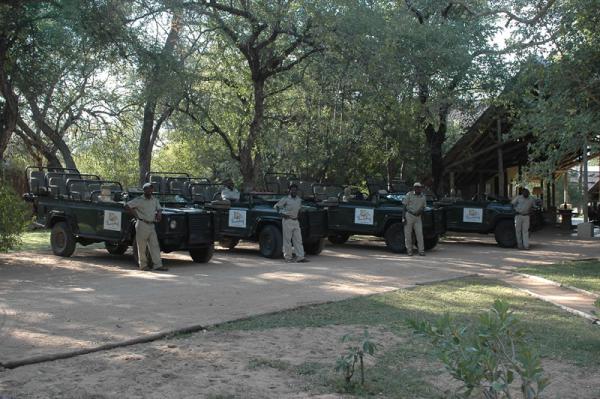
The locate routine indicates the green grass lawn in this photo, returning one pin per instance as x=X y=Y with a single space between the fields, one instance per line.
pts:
x=36 y=240
x=583 y=274
x=406 y=370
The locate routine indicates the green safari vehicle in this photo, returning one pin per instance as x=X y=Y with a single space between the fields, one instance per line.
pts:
x=486 y=215
x=84 y=209
x=374 y=214
x=253 y=218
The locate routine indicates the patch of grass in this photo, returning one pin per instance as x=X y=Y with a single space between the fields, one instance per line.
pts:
x=584 y=275
x=464 y=299
x=271 y=363
x=37 y=240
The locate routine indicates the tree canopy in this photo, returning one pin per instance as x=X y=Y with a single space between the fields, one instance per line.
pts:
x=329 y=90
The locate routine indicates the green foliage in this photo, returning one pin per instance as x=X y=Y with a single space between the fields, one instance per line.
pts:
x=354 y=353
x=14 y=217
x=488 y=355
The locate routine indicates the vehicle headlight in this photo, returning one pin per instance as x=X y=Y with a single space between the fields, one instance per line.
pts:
x=173 y=224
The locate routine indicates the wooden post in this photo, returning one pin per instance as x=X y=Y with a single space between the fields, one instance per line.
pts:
x=500 y=155
x=585 y=182
x=566 y=187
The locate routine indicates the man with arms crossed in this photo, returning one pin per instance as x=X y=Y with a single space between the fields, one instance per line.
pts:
x=414 y=203
x=292 y=235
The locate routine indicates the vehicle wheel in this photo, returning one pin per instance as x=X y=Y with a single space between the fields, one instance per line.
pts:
x=505 y=234
x=430 y=243
x=338 y=238
x=394 y=238
x=62 y=240
x=137 y=258
x=228 y=242
x=115 y=248
x=314 y=247
x=202 y=255
x=270 y=242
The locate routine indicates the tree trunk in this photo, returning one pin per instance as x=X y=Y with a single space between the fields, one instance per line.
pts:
x=10 y=110
x=146 y=143
x=150 y=127
x=7 y=126
x=249 y=165
x=435 y=142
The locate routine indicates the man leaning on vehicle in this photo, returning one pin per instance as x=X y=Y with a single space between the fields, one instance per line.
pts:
x=147 y=211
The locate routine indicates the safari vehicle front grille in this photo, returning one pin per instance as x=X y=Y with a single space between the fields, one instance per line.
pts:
x=200 y=228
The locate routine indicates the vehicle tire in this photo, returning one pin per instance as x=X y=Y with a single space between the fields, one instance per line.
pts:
x=270 y=241
x=115 y=248
x=136 y=257
x=505 y=234
x=394 y=238
x=228 y=242
x=62 y=240
x=338 y=238
x=202 y=255
x=314 y=247
x=430 y=243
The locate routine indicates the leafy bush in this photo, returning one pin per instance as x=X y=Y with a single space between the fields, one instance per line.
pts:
x=14 y=217
x=355 y=353
x=487 y=356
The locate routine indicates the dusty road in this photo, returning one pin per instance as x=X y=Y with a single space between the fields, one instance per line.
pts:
x=50 y=305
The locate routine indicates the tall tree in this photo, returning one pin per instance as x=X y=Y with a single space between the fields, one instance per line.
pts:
x=272 y=38
x=454 y=57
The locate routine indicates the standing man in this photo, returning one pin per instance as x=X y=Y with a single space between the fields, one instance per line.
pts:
x=229 y=192
x=292 y=236
x=147 y=211
x=414 y=204
x=523 y=204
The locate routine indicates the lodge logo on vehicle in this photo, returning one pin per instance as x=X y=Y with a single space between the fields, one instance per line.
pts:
x=363 y=215
x=473 y=215
x=237 y=218
x=112 y=220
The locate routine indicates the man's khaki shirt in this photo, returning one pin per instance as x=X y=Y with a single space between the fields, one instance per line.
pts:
x=523 y=205
x=145 y=208
x=415 y=204
x=289 y=206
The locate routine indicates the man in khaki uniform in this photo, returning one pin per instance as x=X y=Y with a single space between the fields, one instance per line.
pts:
x=148 y=211
x=289 y=207
x=414 y=203
x=229 y=192
x=523 y=205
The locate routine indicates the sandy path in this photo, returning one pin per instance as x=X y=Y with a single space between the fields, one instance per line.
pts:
x=50 y=305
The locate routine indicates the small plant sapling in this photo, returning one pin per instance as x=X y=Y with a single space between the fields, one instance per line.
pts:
x=355 y=352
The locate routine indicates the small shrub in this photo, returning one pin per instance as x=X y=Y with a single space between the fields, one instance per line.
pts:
x=14 y=217
x=487 y=356
x=355 y=353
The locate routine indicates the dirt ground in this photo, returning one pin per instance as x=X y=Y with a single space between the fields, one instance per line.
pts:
x=231 y=365
x=50 y=305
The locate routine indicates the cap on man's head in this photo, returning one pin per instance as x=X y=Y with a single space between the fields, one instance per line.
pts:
x=417 y=184
x=292 y=185
x=147 y=185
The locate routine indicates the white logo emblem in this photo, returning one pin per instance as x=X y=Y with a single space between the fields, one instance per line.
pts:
x=473 y=215
x=364 y=215
x=112 y=220
x=237 y=218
